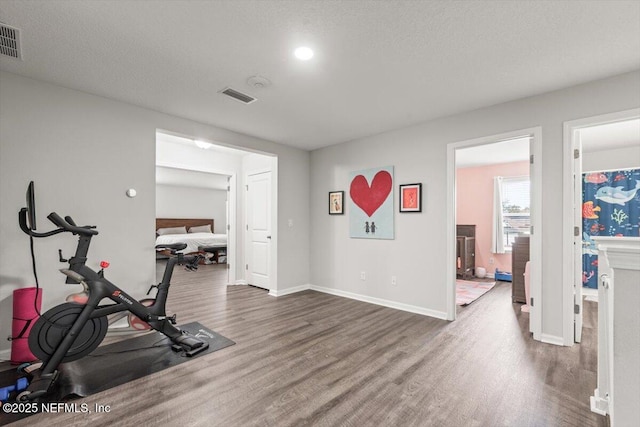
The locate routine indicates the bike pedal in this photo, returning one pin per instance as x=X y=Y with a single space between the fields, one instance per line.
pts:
x=195 y=351
x=177 y=348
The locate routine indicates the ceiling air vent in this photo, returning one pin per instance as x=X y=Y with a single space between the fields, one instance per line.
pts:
x=238 y=96
x=10 y=41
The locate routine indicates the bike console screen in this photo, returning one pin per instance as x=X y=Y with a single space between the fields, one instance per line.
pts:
x=31 y=206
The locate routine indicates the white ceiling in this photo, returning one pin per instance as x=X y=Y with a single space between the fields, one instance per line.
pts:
x=212 y=146
x=611 y=136
x=513 y=150
x=596 y=138
x=379 y=65
x=181 y=177
x=189 y=178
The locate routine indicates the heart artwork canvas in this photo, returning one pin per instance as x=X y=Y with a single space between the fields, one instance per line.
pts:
x=371 y=203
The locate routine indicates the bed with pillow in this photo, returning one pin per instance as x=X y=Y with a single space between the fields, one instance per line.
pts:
x=197 y=234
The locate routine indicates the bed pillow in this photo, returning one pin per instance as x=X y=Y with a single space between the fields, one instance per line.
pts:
x=201 y=229
x=171 y=230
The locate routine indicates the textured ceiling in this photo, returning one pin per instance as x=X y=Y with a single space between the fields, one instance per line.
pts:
x=379 y=65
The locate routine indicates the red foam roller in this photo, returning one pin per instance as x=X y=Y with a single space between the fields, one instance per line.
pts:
x=24 y=317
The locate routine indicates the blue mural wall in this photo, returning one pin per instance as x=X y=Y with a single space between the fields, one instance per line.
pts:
x=610 y=207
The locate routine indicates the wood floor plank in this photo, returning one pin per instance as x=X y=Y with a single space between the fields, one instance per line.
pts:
x=317 y=359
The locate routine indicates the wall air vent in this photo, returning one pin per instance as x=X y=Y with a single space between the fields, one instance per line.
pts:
x=10 y=41
x=238 y=96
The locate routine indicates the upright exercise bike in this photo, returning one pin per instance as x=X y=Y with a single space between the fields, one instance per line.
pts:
x=70 y=331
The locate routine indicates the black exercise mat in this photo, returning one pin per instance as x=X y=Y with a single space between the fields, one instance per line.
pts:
x=116 y=364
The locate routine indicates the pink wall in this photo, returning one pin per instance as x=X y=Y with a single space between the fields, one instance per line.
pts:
x=474 y=204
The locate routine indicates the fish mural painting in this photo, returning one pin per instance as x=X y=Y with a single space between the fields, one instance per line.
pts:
x=595 y=178
x=617 y=195
x=610 y=207
x=588 y=211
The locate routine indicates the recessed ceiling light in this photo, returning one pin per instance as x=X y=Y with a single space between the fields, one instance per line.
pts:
x=202 y=144
x=303 y=53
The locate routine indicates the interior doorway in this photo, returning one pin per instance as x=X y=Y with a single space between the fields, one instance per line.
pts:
x=530 y=138
x=600 y=156
x=208 y=160
x=493 y=205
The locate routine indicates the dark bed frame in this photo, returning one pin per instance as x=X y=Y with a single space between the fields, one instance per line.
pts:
x=179 y=222
x=188 y=222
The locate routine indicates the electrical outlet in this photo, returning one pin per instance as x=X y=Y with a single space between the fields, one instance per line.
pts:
x=491 y=260
x=363 y=276
x=393 y=281
x=290 y=223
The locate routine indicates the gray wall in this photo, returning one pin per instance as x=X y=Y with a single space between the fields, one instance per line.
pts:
x=84 y=152
x=187 y=202
x=419 y=153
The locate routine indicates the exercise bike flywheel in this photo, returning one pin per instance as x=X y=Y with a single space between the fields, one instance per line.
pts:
x=53 y=326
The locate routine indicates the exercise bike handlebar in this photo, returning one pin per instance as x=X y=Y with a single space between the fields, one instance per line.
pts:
x=67 y=225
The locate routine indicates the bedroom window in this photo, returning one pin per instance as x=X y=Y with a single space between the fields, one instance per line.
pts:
x=516 y=208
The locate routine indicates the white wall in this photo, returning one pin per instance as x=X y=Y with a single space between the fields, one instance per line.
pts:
x=620 y=158
x=174 y=201
x=419 y=154
x=84 y=152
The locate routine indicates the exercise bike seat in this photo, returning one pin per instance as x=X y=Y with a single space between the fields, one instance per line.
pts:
x=171 y=246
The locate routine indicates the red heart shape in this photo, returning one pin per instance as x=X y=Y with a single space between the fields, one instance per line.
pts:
x=370 y=198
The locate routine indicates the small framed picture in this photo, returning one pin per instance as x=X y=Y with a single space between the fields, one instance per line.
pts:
x=411 y=198
x=336 y=205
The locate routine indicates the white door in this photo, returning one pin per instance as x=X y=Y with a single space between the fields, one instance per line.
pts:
x=259 y=230
x=577 y=236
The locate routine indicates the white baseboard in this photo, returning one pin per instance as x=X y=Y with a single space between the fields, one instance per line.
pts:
x=382 y=302
x=288 y=291
x=364 y=298
x=239 y=282
x=551 y=339
x=599 y=405
x=486 y=276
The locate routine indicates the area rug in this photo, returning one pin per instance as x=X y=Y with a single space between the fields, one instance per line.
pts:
x=468 y=291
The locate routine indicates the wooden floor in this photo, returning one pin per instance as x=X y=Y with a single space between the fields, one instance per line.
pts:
x=316 y=359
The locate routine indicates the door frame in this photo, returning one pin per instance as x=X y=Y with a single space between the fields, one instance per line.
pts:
x=570 y=129
x=236 y=220
x=232 y=256
x=535 y=150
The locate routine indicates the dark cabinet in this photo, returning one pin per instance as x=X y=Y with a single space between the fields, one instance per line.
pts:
x=465 y=251
x=519 y=258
